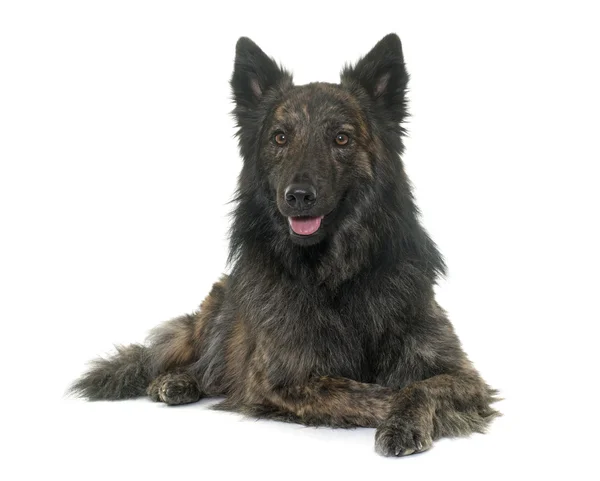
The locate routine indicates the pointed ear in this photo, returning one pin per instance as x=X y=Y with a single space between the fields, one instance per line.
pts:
x=254 y=73
x=382 y=74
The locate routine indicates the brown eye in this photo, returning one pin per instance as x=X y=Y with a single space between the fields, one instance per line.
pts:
x=280 y=138
x=342 y=139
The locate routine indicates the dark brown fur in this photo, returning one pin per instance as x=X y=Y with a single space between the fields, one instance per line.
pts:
x=339 y=329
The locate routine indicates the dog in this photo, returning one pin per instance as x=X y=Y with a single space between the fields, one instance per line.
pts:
x=328 y=316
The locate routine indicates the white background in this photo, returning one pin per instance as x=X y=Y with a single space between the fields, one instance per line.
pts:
x=118 y=159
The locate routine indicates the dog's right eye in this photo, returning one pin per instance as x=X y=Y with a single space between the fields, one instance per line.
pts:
x=280 y=138
x=342 y=139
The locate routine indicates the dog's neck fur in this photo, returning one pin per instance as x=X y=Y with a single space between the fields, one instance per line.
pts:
x=258 y=230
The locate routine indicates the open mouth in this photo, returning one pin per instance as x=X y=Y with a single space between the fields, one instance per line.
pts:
x=305 y=226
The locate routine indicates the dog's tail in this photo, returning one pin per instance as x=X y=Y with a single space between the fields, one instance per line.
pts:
x=123 y=375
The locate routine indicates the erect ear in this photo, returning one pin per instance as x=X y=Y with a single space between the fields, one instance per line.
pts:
x=383 y=75
x=254 y=73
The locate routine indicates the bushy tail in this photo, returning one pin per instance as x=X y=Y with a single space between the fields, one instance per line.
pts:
x=123 y=375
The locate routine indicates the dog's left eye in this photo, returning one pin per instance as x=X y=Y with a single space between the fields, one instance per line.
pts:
x=280 y=138
x=342 y=139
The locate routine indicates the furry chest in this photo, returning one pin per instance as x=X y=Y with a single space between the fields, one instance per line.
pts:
x=293 y=355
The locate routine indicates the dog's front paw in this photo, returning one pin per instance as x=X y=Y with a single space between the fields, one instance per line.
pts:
x=400 y=436
x=174 y=389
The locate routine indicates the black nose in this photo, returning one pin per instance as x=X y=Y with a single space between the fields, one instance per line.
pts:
x=300 y=196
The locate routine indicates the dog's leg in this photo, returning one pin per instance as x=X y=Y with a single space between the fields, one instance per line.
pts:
x=156 y=368
x=177 y=346
x=407 y=420
x=331 y=401
x=441 y=394
x=444 y=405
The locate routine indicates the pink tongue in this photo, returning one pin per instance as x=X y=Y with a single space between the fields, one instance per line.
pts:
x=305 y=225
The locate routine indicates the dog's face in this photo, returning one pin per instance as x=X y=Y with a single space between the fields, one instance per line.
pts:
x=315 y=146
x=313 y=149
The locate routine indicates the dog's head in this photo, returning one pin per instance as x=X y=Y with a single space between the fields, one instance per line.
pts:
x=315 y=150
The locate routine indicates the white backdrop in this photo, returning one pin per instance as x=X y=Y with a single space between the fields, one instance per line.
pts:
x=117 y=161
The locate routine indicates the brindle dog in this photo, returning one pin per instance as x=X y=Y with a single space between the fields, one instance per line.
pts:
x=328 y=316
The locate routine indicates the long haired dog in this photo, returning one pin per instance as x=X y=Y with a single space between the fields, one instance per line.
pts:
x=328 y=316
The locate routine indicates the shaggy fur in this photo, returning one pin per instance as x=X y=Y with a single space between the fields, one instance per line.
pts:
x=339 y=327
